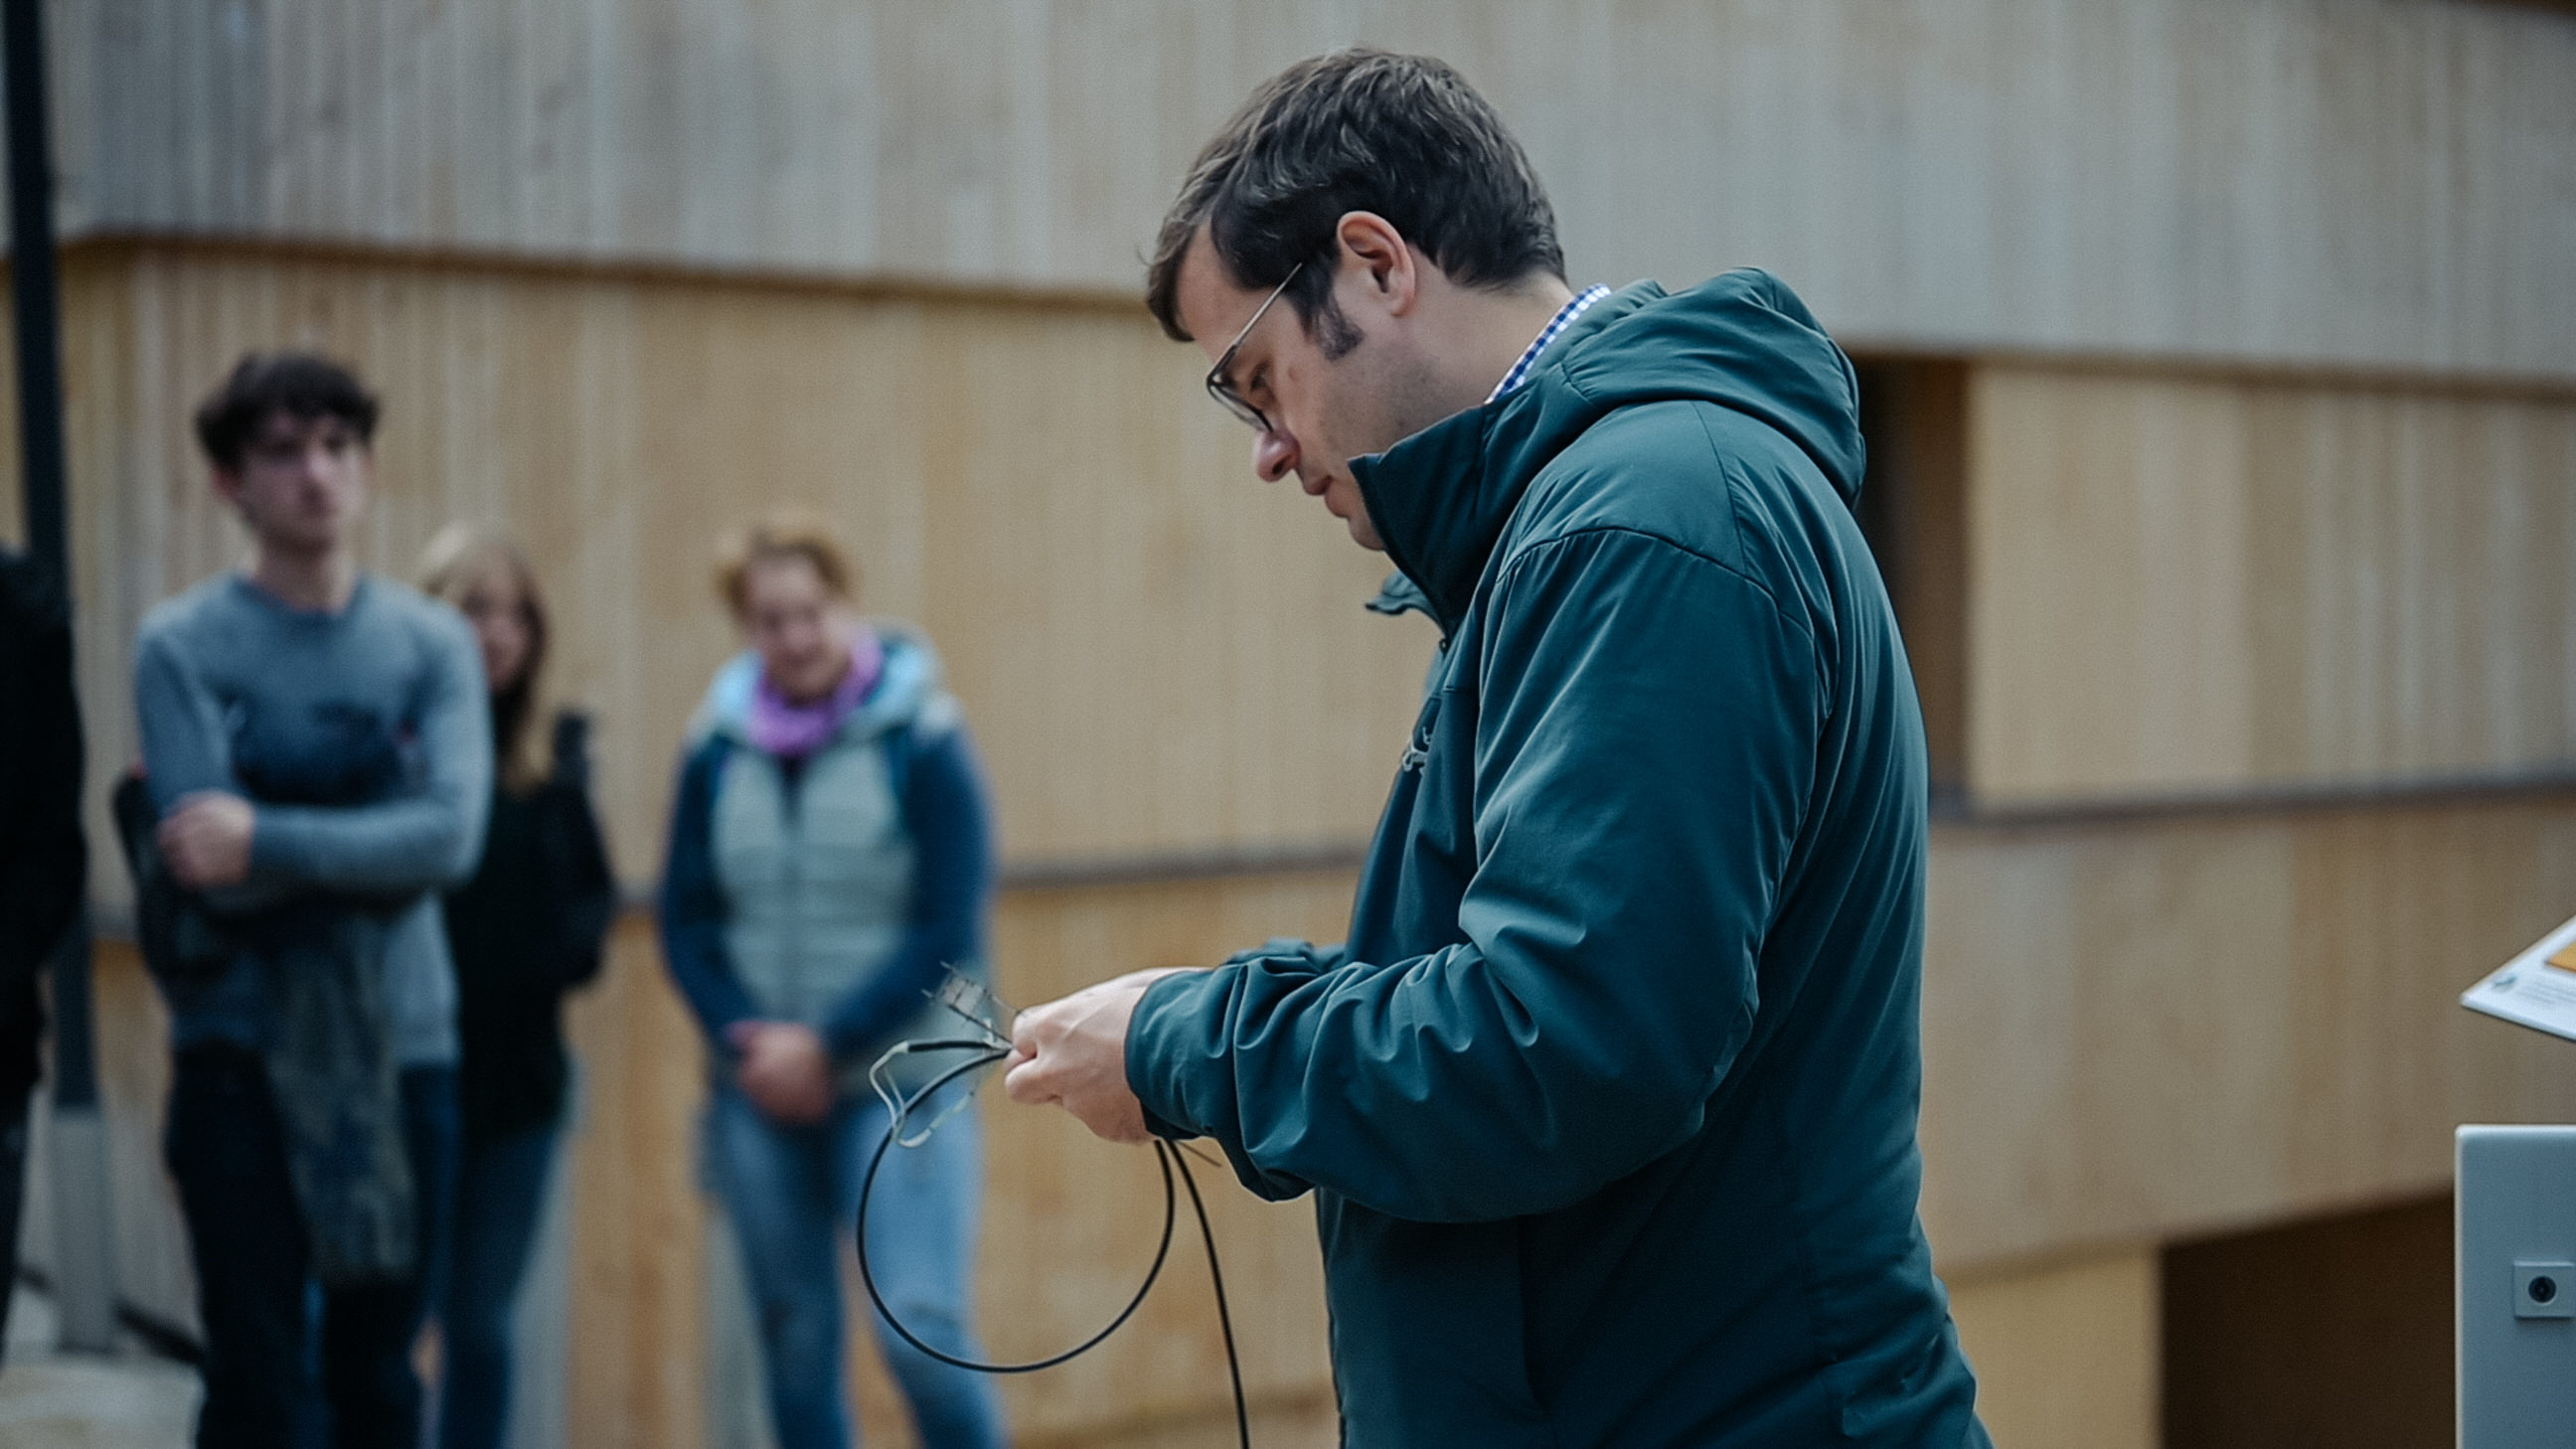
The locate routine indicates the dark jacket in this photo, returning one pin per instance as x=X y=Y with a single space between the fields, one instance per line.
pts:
x=44 y=857
x=1608 y=1105
x=526 y=929
x=831 y=890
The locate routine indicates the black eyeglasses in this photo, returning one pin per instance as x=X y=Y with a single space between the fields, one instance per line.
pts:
x=1221 y=387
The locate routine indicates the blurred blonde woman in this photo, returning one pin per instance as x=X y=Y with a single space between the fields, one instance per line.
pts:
x=526 y=929
x=829 y=853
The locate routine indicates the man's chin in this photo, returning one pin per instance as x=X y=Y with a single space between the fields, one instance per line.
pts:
x=1364 y=535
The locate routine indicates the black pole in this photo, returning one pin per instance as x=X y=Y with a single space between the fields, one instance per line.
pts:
x=34 y=293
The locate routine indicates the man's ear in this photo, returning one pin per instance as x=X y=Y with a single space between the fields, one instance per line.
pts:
x=228 y=484
x=1386 y=265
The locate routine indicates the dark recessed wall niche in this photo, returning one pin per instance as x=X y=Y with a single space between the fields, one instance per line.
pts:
x=1913 y=415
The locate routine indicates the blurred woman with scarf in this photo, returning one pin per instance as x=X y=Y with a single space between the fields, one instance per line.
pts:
x=830 y=854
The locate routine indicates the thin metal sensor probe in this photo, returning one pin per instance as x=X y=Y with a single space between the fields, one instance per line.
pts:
x=973 y=1000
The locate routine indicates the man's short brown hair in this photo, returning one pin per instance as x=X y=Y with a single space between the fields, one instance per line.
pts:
x=303 y=385
x=1403 y=136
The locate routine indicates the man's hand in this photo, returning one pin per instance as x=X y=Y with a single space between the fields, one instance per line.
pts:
x=206 y=839
x=783 y=1070
x=1073 y=1053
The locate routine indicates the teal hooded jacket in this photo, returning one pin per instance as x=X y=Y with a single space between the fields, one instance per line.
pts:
x=1608 y=1102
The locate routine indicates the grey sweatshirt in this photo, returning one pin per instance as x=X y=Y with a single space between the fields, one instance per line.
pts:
x=382 y=701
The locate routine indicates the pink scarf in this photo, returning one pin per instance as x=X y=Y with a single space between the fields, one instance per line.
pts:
x=793 y=731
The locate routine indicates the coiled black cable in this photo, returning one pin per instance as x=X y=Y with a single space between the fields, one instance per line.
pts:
x=1165 y=1154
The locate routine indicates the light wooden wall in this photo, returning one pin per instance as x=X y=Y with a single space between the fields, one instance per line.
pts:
x=2371 y=182
x=2210 y=585
x=2066 y=1353
x=1157 y=654
x=2143 y=1029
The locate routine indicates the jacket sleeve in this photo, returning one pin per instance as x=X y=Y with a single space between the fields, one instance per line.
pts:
x=44 y=856
x=582 y=888
x=426 y=839
x=952 y=836
x=693 y=908
x=186 y=749
x=1293 y=953
x=1644 y=752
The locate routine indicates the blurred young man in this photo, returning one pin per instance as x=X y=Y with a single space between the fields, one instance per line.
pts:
x=1608 y=1103
x=317 y=743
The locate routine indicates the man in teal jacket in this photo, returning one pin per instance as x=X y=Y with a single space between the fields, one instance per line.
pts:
x=1608 y=1103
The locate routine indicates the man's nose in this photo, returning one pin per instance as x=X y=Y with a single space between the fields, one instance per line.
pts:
x=1274 y=452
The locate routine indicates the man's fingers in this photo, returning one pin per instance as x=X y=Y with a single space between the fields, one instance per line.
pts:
x=1026 y=1084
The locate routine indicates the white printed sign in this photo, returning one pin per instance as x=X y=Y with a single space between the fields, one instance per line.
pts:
x=2537 y=988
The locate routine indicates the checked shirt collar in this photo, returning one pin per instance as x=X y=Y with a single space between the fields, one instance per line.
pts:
x=1564 y=318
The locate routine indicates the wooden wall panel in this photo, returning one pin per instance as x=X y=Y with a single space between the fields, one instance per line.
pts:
x=2144 y=1029
x=1157 y=654
x=637 y=1371
x=2066 y=1354
x=2204 y=586
x=2384 y=183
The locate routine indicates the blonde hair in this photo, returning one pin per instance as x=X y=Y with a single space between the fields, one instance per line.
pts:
x=460 y=557
x=784 y=535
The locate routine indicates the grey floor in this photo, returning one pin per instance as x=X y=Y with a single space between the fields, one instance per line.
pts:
x=49 y=1400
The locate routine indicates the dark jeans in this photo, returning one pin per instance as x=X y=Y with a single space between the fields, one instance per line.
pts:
x=227 y=1152
x=500 y=1191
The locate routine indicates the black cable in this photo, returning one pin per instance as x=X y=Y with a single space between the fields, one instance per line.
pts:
x=1216 y=1280
x=1164 y=1155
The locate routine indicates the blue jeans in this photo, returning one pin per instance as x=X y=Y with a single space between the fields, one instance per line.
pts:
x=227 y=1151
x=792 y=1193
x=500 y=1192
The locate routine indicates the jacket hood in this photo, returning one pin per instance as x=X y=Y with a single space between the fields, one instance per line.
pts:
x=1742 y=340
x=911 y=678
